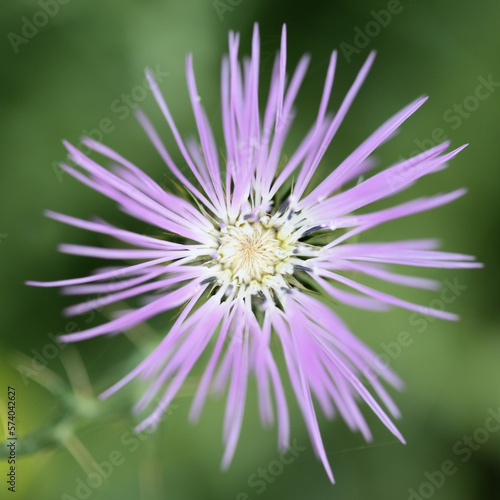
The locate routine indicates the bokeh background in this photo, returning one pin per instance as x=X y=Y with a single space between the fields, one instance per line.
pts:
x=80 y=72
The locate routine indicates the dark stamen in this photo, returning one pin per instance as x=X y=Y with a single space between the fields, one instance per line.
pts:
x=302 y=268
x=208 y=280
x=284 y=205
x=312 y=230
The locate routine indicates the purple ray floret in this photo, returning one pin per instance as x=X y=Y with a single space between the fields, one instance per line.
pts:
x=246 y=263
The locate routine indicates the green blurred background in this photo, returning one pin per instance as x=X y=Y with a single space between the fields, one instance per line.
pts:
x=68 y=77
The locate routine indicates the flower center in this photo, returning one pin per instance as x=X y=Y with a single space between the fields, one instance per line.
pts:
x=252 y=253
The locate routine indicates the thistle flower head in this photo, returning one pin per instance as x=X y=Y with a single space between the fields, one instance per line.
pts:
x=247 y=263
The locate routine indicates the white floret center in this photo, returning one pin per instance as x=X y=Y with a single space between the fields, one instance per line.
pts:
x=254 y=254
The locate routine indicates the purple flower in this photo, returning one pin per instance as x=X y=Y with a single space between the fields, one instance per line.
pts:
x=255 y=242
